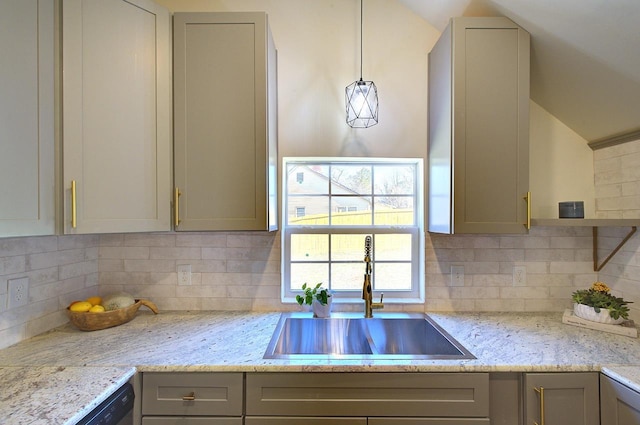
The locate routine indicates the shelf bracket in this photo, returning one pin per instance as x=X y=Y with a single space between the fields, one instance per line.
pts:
x=596 y=267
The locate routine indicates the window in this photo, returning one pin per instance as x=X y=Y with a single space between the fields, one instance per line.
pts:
x=345 y=200
x=300 y=212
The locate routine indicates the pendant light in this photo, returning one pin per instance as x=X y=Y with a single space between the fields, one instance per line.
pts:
x=361 y=97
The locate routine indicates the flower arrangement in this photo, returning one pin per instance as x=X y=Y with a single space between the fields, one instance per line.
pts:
x=599 y=297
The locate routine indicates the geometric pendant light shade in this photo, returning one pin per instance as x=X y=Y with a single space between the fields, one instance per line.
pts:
x=362 y=104
x=361 y=97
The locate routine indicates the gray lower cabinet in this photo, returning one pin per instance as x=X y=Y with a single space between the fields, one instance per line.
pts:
x=562 y=398
x=371 y=398
x=505 y=398
x=192 y=398
x=620 y=404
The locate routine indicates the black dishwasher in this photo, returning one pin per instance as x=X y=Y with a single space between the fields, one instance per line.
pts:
x=115 y=410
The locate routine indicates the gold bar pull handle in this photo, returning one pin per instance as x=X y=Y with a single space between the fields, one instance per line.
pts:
x=541 y=392
x=74 y=217
x=528 y=201
x=176 y=207
x=189 y=397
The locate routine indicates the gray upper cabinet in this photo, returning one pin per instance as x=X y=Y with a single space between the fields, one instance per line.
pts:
x=225 y=139
x=27 y=118
x=478 y=151
x=116 y=116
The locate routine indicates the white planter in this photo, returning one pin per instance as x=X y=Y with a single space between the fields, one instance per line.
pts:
x=588 y=313
x=320 y=310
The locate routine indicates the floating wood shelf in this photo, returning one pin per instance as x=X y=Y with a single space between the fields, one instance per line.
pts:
x=585 y=222
x=594 y=223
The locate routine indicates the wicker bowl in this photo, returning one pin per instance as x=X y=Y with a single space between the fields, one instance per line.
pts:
x=87 y=321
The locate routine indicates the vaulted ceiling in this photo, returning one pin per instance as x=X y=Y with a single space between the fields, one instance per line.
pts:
x=585 y=57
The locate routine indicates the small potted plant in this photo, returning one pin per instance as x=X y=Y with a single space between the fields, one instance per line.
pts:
x=318 y=298
x=599 y=305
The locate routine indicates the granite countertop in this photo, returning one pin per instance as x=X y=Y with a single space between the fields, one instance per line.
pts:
x=45 y=395
x=236 y=341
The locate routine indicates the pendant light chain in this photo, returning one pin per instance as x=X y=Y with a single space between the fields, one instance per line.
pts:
x=361 y=19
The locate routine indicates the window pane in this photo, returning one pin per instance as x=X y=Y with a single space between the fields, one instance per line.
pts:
x=309 y=247
x=309 y=273
x=394 y=211
x=351 y=211
x=350 y=179
x=347 y=248
x=392 y=277
x=393 y=247
x=394 y=179
x=316 y=210
x=347 y=276
x=307 y=179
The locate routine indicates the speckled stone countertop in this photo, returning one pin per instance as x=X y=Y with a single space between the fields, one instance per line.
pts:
x=45 y=395
x=236 y=341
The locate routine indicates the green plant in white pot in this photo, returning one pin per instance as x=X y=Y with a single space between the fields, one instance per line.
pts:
x=599 y=305
x=317 y=297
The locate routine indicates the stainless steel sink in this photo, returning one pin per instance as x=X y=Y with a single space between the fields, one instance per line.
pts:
x=351 y=336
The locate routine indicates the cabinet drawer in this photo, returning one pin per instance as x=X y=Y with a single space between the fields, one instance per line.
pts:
x=185 y=420
x=368 y=394
x=428 y=421
x=214 y=394
x=280 y=420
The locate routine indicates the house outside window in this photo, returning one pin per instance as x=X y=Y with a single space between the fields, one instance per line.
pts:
x=347 y=199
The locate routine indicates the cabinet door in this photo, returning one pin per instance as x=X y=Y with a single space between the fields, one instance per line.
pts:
x=479 y=127
x=428 y=421
x=505 y=398
x=117 y=115
x=620 y=405
x=225 y=122
x=27 y=205
x=302 y=420
x=562 y=398
x=185 y=420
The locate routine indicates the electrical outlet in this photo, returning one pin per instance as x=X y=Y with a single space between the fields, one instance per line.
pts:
x=519 y=275
x=18 y=291
x=457 y=275
x=184 y=274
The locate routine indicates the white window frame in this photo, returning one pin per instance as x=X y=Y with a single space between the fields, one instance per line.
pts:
x=416 y=293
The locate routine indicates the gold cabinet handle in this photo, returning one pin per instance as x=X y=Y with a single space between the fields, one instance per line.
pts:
x=541 y=392
x=528 y=201
x=189 y=397
x=74 y=220
x=176 y=207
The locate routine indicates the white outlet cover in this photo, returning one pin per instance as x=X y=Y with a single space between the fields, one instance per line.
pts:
x=520 y=276
x=457 y=275
x=184 y=274
x=18 y=292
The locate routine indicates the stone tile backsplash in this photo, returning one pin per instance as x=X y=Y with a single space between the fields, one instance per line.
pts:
x=241 y=271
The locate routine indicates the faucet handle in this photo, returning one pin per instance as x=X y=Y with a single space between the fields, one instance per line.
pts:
x=381 y=297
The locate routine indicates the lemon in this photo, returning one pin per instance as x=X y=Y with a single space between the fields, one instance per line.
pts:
x=80 y=306
x=94 y=300
x=97 y=309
